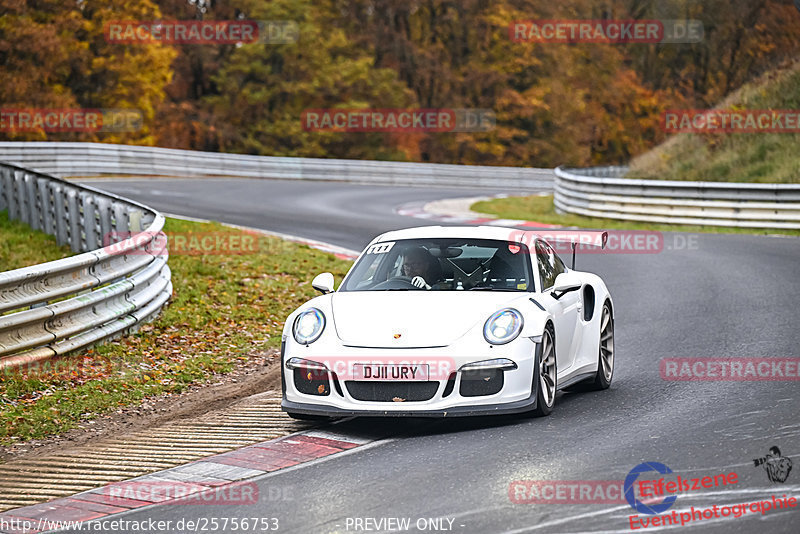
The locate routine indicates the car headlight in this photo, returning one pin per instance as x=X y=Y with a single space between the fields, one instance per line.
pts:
x=503 y=326
x=308 y=326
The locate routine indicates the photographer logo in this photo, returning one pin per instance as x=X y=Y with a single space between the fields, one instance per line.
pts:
x=777 y=467
x=636 y=504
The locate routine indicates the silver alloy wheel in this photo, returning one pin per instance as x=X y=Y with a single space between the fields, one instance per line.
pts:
x=547 y=369
x=607 y=344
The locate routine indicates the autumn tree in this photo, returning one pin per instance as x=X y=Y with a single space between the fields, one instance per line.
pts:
x=264 y=88
x=54 y=54
x=579 y=103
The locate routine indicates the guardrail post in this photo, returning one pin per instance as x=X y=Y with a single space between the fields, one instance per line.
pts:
x=105 y=213
x=29 y=201
x=14 y=196
x=38 y=189
x=135 y=217
x=60 y=211
x=121 y=222
x=74 y=216
x=47 y=206
x=87 y=201
x=4 y=179
x=147 y=220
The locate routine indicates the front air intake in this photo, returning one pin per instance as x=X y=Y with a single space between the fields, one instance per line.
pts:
x=391 y=391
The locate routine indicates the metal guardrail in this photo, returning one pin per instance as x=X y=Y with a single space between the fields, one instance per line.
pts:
x=93 y=159
x=602 y=192
x=57 y=307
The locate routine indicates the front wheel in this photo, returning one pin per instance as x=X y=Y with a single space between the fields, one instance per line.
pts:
x=605 y=363
x=545 y=375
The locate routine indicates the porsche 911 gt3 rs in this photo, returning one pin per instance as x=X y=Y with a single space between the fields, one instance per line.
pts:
x=449 y=321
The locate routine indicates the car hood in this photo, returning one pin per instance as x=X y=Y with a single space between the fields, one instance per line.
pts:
x=421 y=318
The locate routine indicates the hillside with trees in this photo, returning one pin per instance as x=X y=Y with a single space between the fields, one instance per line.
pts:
x=576 y=104
x=769 y=157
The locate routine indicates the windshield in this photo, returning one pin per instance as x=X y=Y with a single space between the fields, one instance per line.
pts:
x=441 y=265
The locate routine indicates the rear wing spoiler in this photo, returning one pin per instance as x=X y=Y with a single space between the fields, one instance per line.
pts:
x=590 y=238
x=571 y=238
x=581 y=237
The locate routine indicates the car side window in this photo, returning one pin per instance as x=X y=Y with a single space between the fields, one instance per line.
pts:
x=560 y=267
x=550 y=265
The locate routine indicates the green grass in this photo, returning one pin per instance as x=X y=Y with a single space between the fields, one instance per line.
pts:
x=225 y=308
x=20 y=246
x=734 y=157
x=540 y=209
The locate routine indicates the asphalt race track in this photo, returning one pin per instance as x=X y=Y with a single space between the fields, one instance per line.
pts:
x=702 y=296
x=347 y=215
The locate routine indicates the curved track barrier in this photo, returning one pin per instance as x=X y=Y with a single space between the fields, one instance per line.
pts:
x=602 y=192
x=94 y=159
x=119 y=279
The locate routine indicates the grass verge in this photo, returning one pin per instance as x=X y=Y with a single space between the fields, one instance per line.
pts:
x=734 y=157
x=541 y=209
x=225 y=309
x=20 y=246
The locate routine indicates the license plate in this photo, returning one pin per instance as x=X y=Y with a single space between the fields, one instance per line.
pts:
x=391 y=372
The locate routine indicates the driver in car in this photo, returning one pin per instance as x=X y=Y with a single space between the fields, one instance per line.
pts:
x=423 y=269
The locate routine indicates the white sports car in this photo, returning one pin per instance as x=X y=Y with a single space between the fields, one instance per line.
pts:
x=449 y=321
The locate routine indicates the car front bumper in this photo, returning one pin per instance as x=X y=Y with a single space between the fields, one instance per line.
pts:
x=457 y=411
x=454 y=395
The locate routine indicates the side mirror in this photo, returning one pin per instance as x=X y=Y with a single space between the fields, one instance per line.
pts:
x=566 y=282
x=323 y=283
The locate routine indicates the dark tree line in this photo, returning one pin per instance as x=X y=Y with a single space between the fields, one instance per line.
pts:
x=554 y=103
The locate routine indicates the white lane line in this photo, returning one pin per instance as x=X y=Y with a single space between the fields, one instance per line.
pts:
x=770 y=490
x=567 y=519
x=701 y=523
x=327 y=434
x=563 y=520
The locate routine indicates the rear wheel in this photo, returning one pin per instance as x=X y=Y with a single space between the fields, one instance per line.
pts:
x=545 y=375
x=605 y=363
